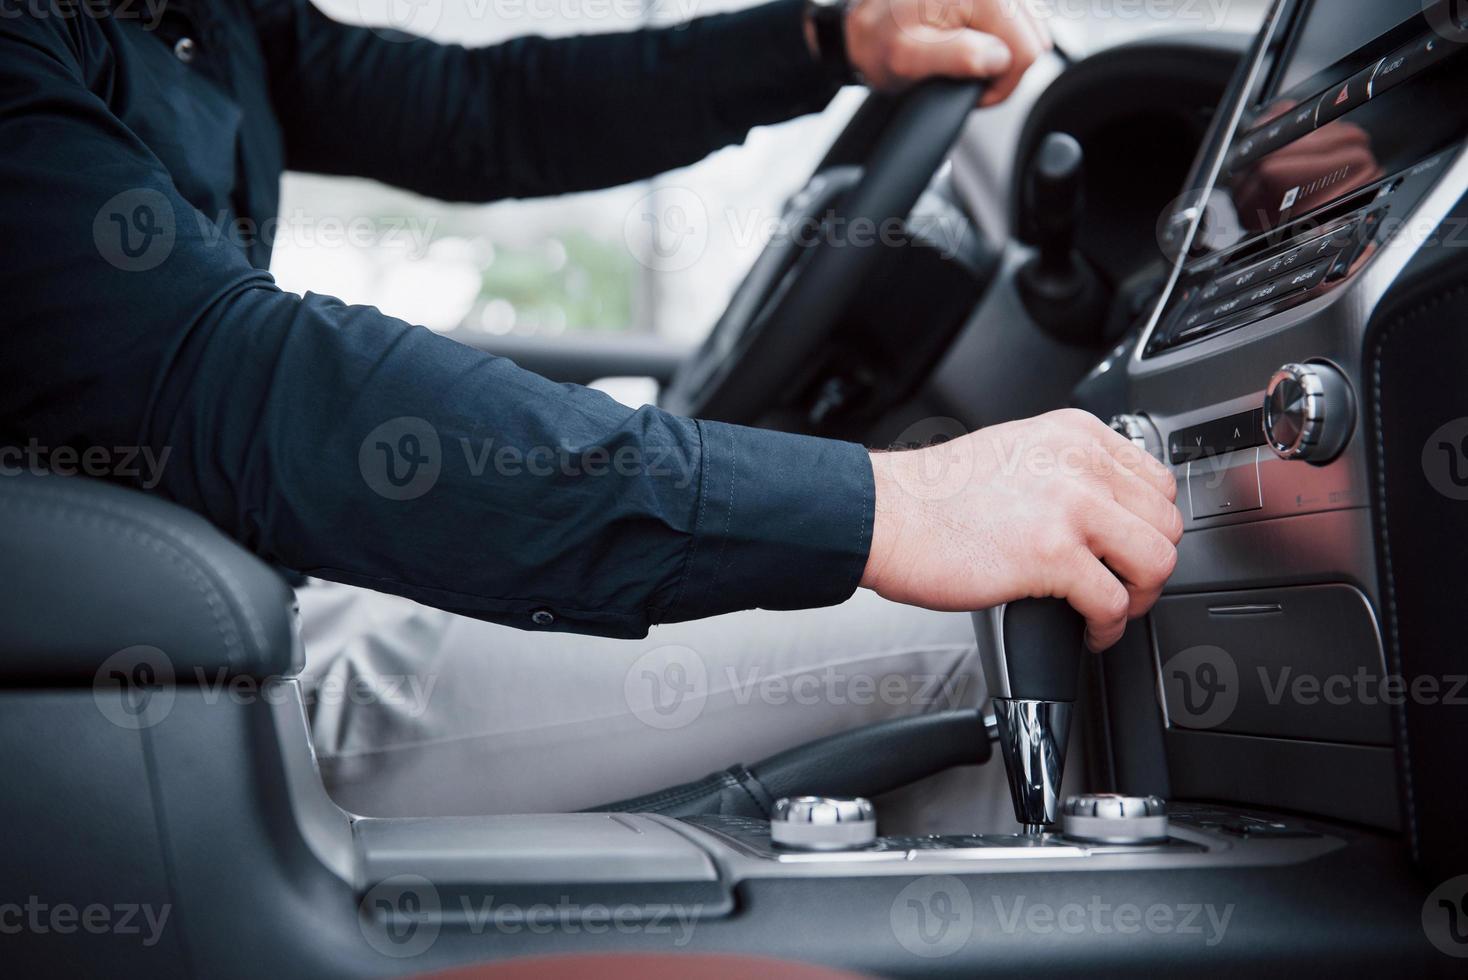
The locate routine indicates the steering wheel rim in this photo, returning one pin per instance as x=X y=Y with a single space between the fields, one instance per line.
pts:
x=787 y=306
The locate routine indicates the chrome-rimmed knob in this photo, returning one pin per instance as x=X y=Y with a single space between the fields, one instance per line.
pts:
x=1309 y=412
x=1139 y=431
x=1110 y=818
x=823 y=823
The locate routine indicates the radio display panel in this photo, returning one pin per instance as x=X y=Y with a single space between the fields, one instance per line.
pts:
x=1352 y=101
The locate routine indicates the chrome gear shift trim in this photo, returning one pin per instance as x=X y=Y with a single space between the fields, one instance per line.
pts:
x=1032 y=740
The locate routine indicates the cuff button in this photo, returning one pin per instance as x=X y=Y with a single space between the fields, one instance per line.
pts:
x=542 y=617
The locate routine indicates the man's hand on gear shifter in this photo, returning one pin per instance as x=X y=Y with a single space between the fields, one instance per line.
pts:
x=1057 y=505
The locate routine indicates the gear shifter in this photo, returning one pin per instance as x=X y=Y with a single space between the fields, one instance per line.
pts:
x=1059 y=289
x=1032 y=665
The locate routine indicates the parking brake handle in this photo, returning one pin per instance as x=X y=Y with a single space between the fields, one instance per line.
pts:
x=1032 y=667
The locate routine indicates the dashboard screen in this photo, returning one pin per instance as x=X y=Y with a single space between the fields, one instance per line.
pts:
x=1333 y=29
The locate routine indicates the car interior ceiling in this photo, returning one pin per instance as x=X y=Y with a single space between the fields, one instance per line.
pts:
x=1275 y=746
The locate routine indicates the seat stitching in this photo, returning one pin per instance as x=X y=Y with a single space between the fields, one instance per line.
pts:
x=223 y=623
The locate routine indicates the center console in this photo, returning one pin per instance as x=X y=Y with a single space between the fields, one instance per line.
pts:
x=1337 y=164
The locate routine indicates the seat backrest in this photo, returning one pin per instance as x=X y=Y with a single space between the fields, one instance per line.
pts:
x=88 y=569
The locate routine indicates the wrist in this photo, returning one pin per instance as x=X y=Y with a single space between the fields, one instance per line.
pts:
x=823 y=24
x=885 y=520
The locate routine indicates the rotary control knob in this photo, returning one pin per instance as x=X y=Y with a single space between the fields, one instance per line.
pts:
x=1139 y=431
x=1108 y=818
x=1309 y=412
x=823 y=823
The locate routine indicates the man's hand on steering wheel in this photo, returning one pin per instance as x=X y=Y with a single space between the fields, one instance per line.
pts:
x=894 y=43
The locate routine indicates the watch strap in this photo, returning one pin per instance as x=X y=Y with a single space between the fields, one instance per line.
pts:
x=828 y=23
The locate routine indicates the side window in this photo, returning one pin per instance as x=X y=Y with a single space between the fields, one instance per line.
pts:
x=659 y=257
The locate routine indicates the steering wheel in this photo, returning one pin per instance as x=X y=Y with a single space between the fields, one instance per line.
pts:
x=789 y=305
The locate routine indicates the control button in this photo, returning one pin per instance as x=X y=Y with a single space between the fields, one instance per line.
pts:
x=823 y=823
x=1267 y=137
x=1109 y=818
x=1242 y=431
x=1309 y=412
x=1320 y=247
x=1348 y=95
x=1219 y=310
x=1222 y=485
x=1409 y=60
x=1139 y=432
x=1306 y=278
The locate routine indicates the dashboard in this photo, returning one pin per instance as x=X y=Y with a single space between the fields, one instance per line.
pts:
x=1330 y=169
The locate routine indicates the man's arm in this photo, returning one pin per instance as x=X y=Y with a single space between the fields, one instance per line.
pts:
x=340 y=442
x=532 y=116
x=537 y=116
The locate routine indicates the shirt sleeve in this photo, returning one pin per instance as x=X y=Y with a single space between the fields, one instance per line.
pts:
x=532 y=116
x=340 y=442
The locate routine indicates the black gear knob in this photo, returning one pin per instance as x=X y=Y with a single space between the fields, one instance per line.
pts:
x=1042 y=641
x=1060 y=290
x=1032 y=665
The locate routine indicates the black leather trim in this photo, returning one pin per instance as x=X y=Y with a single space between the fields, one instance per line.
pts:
x=1417 y=354
x=866 y=762
x=89 y=568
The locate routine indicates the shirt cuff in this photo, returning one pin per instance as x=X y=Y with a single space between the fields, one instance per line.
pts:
x=761 y=70
x=784 y=522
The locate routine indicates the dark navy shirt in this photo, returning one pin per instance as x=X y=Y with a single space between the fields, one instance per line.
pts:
x=140 y=162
